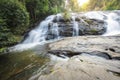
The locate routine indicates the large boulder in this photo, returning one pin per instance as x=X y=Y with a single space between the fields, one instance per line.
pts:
x=86 y=26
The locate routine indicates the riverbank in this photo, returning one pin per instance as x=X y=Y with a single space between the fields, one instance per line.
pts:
x=83 y=58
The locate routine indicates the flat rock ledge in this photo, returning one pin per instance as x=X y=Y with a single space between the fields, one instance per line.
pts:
x=84 y=58
x=89 y=44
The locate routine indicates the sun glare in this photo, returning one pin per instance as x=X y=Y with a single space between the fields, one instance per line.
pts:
x=82 y=2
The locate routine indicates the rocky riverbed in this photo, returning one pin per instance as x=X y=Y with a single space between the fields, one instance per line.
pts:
x=83 y=58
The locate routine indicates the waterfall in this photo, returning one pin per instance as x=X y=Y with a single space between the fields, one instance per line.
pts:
x=39 y=34
x=55 y=30
x=75 y=27
x=112 y=20
x=48 y=29
x=113 y=26
x=52 y=28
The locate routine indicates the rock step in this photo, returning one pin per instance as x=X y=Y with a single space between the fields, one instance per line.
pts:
x=67 y=53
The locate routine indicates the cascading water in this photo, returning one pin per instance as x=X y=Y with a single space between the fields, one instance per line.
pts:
x=39 y=34
x=51 y=27
x=55 y=30
x=113 y=26
x=47 y=27
x=112 y=20
x=75 y=27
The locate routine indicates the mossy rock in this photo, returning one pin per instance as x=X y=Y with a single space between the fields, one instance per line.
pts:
x=94 y=31
x=89 y=21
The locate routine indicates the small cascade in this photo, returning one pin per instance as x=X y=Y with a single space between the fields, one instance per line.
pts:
x=111 y=19
x=55 y=30
x=37 y=35
x=40 y=33
x=48 y=29
x=75 y=27
x=113 y=26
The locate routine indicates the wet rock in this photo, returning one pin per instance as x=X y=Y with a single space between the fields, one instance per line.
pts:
x=86 y=26
x=111 y=49
x=64 y=53
x=51 y=36
x=96 y=27
x=68 y=53
x=101 y=54
x=66 y=30
x=116 y=58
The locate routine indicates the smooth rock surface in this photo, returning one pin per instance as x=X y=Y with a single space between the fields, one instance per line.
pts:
x=94 y=63
x=84 y=67
x=110 y=45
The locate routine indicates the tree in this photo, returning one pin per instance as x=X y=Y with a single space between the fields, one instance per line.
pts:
x=14 y=20
x=39 y=9
x=112 y=5
x=103 y=5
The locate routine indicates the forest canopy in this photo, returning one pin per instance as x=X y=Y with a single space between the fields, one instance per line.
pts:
x=103 y=5
x=91 y=5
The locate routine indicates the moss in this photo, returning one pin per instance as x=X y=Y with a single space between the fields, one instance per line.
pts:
x=93 y=31
x=66 y=16
x=89 y=21
x=2 y=50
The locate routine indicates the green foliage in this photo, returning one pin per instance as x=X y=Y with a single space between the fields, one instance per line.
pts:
x=15 y=15
x=113 y=5
x=93 y=31
x=39 y=9
x=74 y=5
x=103 y=5
x=66 y=15
x=14 y=20
x=56 y=6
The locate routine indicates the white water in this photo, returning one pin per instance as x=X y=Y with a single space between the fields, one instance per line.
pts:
x=113 y=26
x=75 y=27
x=111 y=19
x=38 y=35
x=55 y=30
